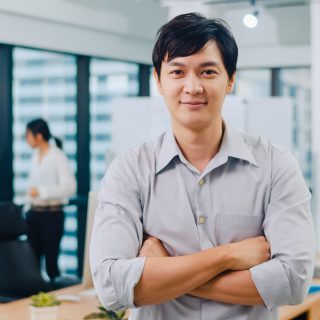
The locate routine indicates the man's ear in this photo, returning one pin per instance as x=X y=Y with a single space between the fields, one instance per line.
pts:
x=231 y=83
x=157 y=79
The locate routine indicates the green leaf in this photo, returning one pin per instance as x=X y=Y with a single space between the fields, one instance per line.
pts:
x=106 y=314
x=44 y=300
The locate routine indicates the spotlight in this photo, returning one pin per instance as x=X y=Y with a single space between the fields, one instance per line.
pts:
x=250 y=20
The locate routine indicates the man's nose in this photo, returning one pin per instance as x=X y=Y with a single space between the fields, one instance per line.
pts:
x=192 y=85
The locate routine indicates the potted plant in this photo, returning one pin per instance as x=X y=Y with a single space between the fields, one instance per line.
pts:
x=106 y=314
x=44 y=306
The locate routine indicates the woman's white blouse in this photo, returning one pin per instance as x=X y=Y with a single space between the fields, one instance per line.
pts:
x=52 y=177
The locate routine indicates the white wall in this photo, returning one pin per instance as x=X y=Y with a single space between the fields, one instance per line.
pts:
x=315 y=69
x=315 y=23
x=274 y=56
x=177 y=7
x=108 y=28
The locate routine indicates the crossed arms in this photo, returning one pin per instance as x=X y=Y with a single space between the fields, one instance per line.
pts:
x=202 y=274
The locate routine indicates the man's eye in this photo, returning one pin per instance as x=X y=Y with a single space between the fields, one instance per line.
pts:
x=209 y=72
x=176 y=72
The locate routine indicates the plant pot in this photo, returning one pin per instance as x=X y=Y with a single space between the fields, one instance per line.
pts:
x=44 y=313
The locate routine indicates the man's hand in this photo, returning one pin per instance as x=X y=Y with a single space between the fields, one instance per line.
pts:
x=153 y=247
x=244 y=254
x=248 y=253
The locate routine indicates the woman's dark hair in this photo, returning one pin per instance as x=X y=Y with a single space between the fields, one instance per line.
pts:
x=188 y=33
x=40 y=126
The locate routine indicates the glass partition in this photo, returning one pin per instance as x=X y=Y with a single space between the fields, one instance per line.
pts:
x=108 y=80
x=44 y=85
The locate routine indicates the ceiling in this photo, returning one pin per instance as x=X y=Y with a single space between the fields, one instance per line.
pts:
x=224 y=4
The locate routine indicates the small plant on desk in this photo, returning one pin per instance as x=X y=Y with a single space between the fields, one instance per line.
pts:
x=106 y=314
x=44 y=300
x=44 y=306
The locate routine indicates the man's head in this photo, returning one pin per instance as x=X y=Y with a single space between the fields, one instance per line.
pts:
x=187 y=34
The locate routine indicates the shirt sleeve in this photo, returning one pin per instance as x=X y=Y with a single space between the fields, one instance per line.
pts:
x=65 y=181
x=288 y=227
x=31 y=177
x=117 y=237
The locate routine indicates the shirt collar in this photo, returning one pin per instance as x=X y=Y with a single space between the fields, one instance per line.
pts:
x=169 y=149
x=232 y=145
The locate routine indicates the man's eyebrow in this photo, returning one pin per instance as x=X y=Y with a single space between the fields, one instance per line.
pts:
x=176 y=64
x=204 y=64
x=209 y=64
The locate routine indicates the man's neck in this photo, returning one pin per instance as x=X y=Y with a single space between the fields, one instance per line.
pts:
x=199 y=147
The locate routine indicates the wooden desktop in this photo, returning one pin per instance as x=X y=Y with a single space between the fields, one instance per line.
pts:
x=308 y=310
x=19 y=310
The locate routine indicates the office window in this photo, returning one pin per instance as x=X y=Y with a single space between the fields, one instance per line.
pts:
x=153 y=85
x=108 y=79
x=295 y=83
x=44 y=85
x=253 y=83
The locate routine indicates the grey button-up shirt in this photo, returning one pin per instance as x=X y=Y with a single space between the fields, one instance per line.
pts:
x=249 y=188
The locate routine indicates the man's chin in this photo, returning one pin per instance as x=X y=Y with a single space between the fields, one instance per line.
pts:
x=194 y=124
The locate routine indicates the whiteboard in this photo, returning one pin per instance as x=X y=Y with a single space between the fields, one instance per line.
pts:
x=270 y=118
x=139 y=119
x=136 y=120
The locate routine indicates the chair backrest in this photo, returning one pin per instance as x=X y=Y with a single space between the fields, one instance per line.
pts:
x=20 y=274
x=92 y=207
x=12 y=223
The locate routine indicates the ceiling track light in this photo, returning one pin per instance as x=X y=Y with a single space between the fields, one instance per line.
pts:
x=250 y=20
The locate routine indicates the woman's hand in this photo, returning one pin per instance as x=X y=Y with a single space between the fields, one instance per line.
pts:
x=33 y=192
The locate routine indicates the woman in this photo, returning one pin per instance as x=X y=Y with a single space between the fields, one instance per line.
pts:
x=51 y=184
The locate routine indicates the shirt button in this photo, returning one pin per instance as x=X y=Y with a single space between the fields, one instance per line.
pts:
x=202 y=220
x=201 y=182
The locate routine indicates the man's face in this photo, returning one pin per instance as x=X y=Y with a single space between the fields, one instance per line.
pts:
x=194 y=87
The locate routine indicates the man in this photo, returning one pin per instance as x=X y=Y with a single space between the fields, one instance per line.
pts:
x=204 y=222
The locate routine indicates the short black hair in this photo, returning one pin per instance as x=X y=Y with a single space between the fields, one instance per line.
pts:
x=188 y=33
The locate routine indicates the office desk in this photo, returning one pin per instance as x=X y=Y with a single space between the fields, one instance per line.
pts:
x=19 y=310
x=310 y=307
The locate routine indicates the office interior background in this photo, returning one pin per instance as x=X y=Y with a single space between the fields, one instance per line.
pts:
x=66 y=60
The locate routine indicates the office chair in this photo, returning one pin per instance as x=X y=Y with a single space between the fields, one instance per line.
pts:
x=20 y=274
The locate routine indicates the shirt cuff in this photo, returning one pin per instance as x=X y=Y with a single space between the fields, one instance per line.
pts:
x=271 y=281
x=125 y=274
x=115 y=281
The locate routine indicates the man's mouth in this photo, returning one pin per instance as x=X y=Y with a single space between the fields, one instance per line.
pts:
x=193 y=103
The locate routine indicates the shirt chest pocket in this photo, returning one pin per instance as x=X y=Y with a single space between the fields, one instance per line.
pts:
x=236 y=227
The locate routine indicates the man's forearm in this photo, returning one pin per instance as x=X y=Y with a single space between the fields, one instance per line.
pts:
x=234 y=287
x=166 y=278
